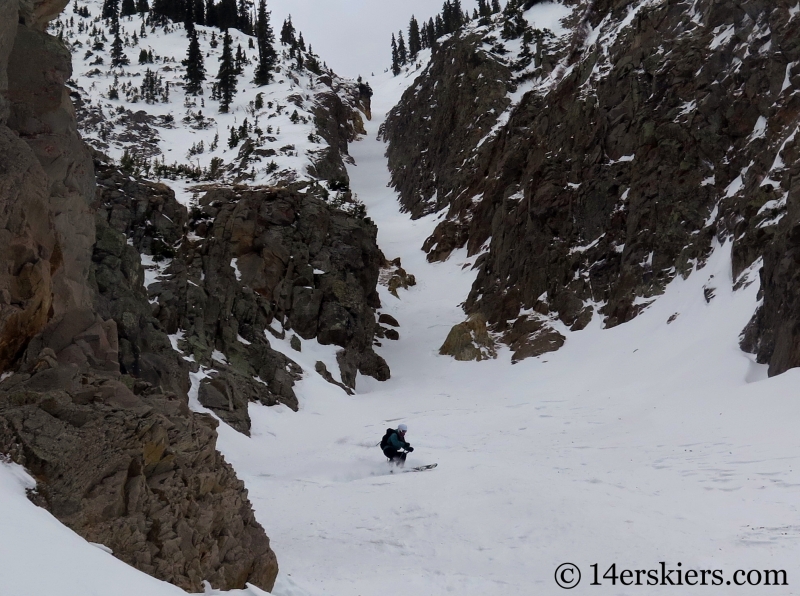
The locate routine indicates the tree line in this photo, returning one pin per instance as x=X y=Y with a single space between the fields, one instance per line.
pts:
x=452 y=18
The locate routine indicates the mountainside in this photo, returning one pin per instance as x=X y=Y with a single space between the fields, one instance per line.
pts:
x=611 y=147
x=126 y=301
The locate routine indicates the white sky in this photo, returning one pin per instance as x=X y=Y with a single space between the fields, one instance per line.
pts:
x=353 y=36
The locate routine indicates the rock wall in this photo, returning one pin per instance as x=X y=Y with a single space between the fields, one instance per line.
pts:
x=650 y=131
x=246 y=267
x=116 y=453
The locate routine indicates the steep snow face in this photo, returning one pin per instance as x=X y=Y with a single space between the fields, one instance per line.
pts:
x=166 y=133
x=654 y=441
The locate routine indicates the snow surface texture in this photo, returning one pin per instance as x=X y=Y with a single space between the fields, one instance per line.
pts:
x=652 y=441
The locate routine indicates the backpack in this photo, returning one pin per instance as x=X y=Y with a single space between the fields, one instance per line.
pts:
x=385 y=439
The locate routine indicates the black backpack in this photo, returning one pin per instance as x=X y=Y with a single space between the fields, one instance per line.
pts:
x=385 y=439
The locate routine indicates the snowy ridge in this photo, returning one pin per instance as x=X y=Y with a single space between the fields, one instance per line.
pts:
x=186 y=135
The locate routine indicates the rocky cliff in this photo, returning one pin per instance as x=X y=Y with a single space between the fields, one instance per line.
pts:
x=616 y=145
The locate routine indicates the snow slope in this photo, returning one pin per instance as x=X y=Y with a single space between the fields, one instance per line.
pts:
x=649 y=442
x=190 y=130
x=652 y=441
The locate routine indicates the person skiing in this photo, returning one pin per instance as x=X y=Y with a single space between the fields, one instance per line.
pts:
x=393 y=441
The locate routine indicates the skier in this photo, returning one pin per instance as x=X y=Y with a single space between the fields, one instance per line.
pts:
x=393 y=441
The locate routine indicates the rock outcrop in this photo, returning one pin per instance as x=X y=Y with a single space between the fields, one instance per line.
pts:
x=93 y=399
x=649 y=132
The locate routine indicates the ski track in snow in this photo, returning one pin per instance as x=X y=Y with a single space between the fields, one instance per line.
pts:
x=648 y=442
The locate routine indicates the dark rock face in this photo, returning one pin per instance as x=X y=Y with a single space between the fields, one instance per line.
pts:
x=128 y=466
x=621 y=168
x=468 y=89
x=273 y=255
x=117 y=455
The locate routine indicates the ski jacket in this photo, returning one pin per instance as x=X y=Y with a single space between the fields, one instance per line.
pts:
x=396 y=441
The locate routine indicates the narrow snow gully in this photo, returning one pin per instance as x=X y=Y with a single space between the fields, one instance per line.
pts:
x=658 y=440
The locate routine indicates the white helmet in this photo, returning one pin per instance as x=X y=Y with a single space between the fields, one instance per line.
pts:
x=402 y=428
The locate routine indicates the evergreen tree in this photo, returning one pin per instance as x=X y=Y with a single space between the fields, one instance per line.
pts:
x=495 y=6
x=188 y=19
x=267 y=57
x=439 y=28
x=195 y=67
x=143 y=56
x=128 y=8
x=226 y=78
x=287 y=33
x=402 y=54
x=244 y=24
x=395 y=57
x=414 y=39
x=211 y=14
x=484 y=11
x=240 y=60
x=300 y=42
x=199 y=12
x=151 y=86
x=142 y=6
x=227 y=14
x=118 y=57
x=431 y=29
x=110 y=8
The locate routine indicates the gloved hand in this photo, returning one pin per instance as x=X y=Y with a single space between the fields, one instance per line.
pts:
x=409 y=449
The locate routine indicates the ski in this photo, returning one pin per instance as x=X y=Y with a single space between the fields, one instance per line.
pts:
x=422 y=468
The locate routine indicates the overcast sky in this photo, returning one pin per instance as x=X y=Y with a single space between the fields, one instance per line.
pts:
x=353 y=36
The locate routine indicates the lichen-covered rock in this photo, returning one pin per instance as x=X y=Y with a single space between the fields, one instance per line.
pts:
x=469 y=340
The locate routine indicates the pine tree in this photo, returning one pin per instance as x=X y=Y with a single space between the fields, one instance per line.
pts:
x=244 y=24
x=151 y=86
x=199 y=12
x=414 y=39
x=128 y=8
x=226 y=78
x=240 y=60
x=195 y=67
x=227 y=14
x=287 y=33
x=211 y=14
x=142 y=6
x=267 y=57
x=495 y=6
x=110 y=8
x=118 y=57
x=484 y=11
x=143 y=56
x=395 y=57
x=188 y=18
x=431 y=33
x=402 y=54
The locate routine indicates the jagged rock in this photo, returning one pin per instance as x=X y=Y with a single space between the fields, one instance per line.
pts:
x=569 y=197
x=469 y=340
x=127 y=466
x=388 y=320
x=323 y=371
x=256 y=259
x=394 y=277
x=295 y=344
x=116 y=457
x=530 y=337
